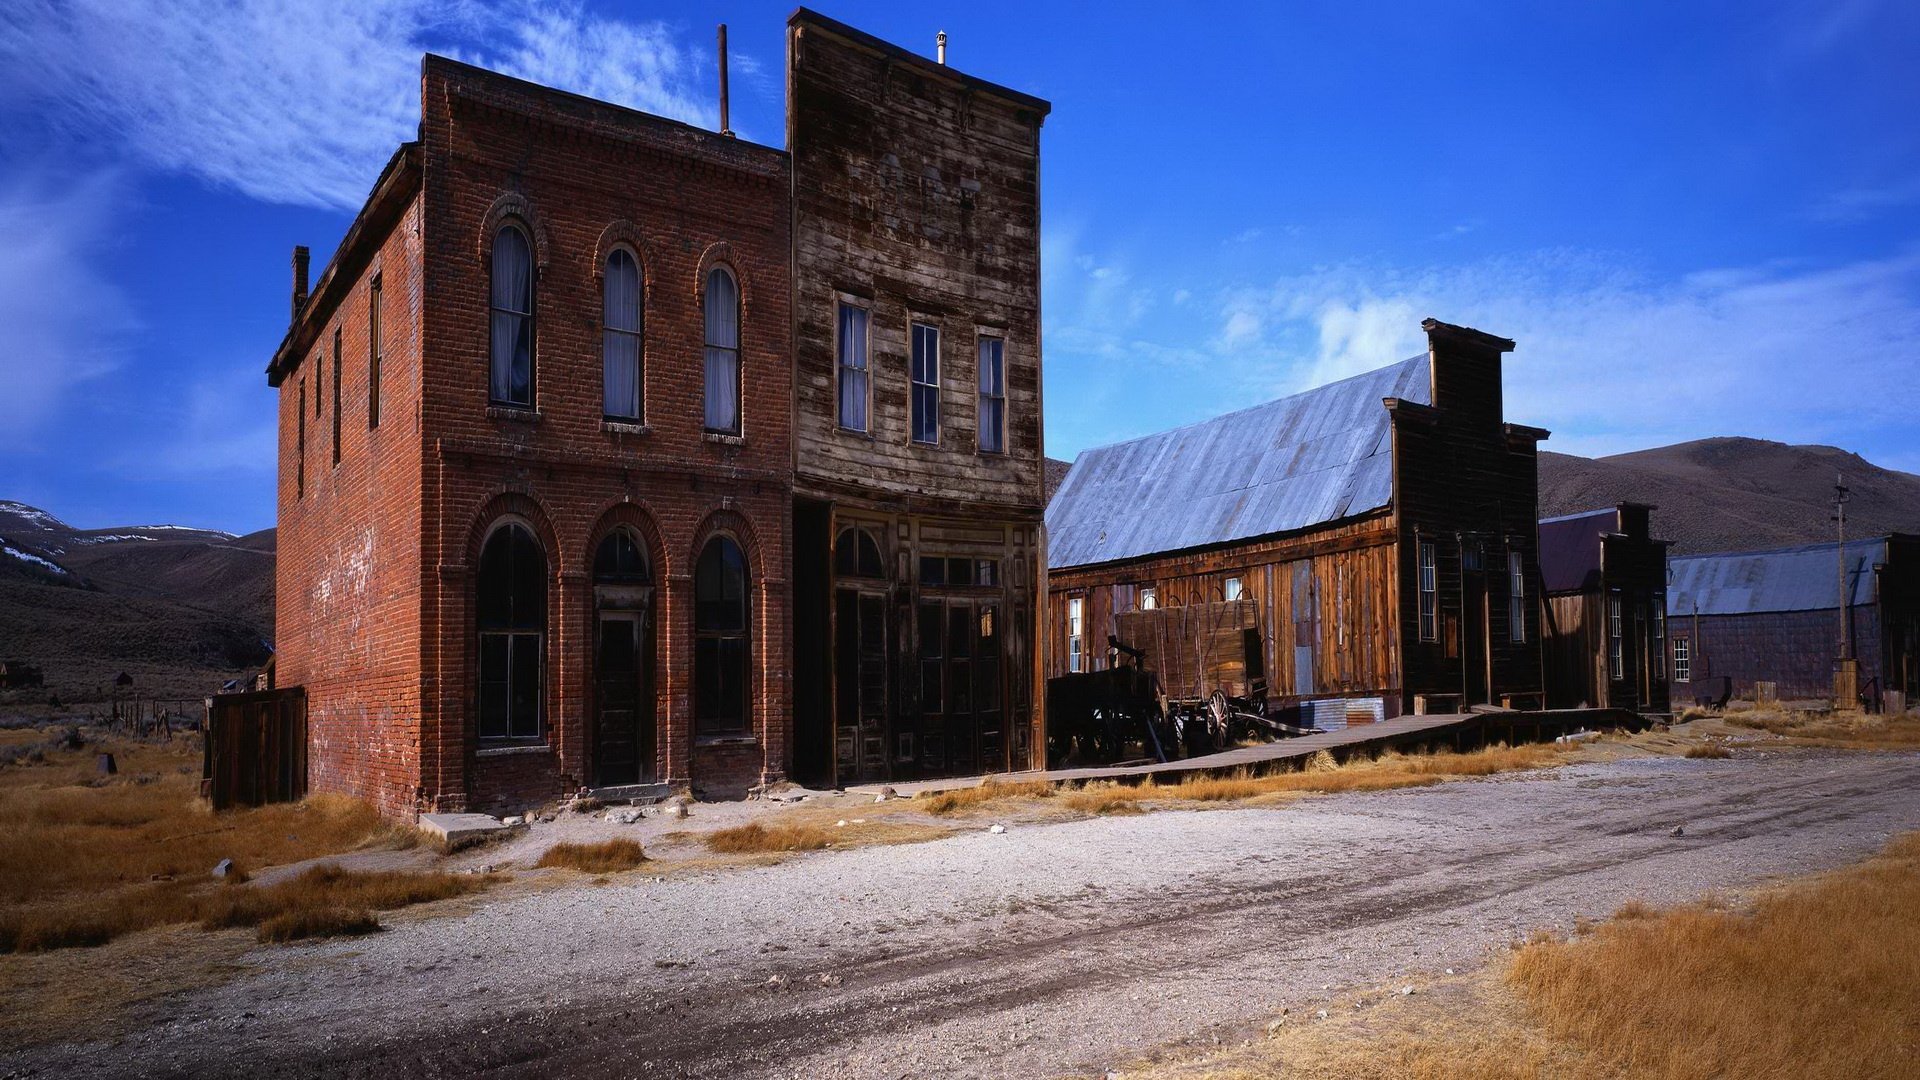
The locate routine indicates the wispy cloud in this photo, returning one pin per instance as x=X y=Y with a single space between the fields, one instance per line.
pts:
x=66 y=324
x=1854 y=204
x=295 y=102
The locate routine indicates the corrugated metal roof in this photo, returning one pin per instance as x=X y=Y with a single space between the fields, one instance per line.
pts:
x=1304 y=460
x=1785 y=579
x=1570 y=549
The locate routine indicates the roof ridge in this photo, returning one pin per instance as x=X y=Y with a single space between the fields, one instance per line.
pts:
x=1822 y=545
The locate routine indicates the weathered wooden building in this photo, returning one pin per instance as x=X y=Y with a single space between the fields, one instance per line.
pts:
x=1603 y=584
x=1777 y=616
x=1383 y=528
x=917 y=430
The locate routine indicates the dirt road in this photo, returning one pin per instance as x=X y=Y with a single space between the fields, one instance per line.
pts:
x=1048 y=949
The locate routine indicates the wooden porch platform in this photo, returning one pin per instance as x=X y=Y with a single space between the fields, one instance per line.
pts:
x=1458 y=730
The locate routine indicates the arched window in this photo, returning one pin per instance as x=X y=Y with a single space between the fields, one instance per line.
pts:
x=721 y=636
x=621 y=561
x=620 y=337
x=723 y=353
x=511 y=305
x=512 y=617
x=855 y=554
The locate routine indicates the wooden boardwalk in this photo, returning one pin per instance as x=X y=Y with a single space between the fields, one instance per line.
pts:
x=1453 y=730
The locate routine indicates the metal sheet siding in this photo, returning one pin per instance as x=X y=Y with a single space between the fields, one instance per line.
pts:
x=1301 y=461
x=1785 y=579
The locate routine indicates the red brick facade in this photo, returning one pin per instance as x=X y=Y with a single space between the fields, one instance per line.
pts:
x=379 y=553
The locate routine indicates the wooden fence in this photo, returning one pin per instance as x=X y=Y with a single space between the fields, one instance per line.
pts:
x=256 y=748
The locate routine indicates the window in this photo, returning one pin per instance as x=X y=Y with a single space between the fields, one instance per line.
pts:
x=1516 y=597
x=720 y=634
x=1076 y=642
x=1429 y=595
x=300 y=458
x=620 y=338
x=336 y=396
x=1149 y=599
x=857 y=554
x=510 y=381
x=993 y=396
x=512 y=618
x=373 y=354
x=723 y=353
x=1682 y=660
x=1616 y=638
x=926 y=384
x=620 y=560
x=851 y=342
x=1230 y=590
x=1659 y=604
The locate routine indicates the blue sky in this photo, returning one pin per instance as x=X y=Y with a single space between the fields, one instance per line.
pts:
x=1695 y=218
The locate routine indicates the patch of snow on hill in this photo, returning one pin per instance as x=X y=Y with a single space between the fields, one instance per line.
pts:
x=35 y=559
x=32 y=515
x=111 y=538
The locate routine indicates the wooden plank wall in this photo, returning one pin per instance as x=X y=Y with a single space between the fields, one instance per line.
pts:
x=1346 y=612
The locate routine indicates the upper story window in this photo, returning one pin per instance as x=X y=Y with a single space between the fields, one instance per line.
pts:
x=851 y=341
x=993 y=396
x=1149 y=600
x=373 y=353
x=620 y=337
x=926 y=384
x=1429 y=594
x=510 y=379
x=336 y=395
x=300 y=457
x=1076 y=639
x=1231 y=590
x=723 y=353
x=1516 y=597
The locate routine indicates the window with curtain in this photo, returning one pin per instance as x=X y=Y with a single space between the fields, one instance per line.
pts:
x=723 y=353
x=926 y=384
x=1076 y=641
x=510 y=381
x=993 y=396
x=620 y=337
x=721 y=638
x=851 y=344
x=511 y=611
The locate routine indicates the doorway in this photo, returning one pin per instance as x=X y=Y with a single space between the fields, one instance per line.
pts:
x=623 y=750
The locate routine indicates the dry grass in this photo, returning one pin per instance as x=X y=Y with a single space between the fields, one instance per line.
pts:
x=607 y=857
x=755 y=838
x=1819 y=979
x=85 y=859
x=1843 y=730
x=959 y=799
x=1709 y=751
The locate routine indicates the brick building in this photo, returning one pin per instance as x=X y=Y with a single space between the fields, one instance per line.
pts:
x=537 y=431
x=1381 y=529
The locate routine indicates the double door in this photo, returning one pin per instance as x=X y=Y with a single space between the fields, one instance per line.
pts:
x=918 y=698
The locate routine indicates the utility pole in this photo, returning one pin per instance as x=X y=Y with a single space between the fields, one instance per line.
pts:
x=1846 y=670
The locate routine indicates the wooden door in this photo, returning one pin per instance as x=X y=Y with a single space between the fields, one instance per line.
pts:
x=860 y=686
x=623 y=748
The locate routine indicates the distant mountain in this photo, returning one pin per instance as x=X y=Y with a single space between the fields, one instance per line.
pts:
x=180 y=609
x=1735 y=494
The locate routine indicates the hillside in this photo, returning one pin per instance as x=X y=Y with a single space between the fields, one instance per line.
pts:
x=181 y=610
x=1735 y=494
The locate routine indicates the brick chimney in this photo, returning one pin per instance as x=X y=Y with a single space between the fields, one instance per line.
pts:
x=299 y=279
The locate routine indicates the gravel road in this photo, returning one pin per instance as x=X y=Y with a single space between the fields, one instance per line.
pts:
x=1047 y=949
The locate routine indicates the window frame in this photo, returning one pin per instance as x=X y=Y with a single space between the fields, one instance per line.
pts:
x=1076 y=634
x=300 y=451
x=1232 y=589
x=1428 y=588
x=1516 y=597
x=530 y=315
x=516 y=641
x=704 y=727
x=336 y=395
x=637 y=334
x=1682 y=659
x=1149 y=598
x=374 y=350
x=1658 y=611
x=915 y=384
x=1616 y=638
x=708 y=348
x=984 y=394
x=842 y=369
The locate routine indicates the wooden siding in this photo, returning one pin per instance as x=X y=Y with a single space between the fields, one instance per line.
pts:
x=1323 y=602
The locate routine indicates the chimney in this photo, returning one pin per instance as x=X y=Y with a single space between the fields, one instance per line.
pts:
x=299 y=279
x=725 y=128
x=940 y=47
